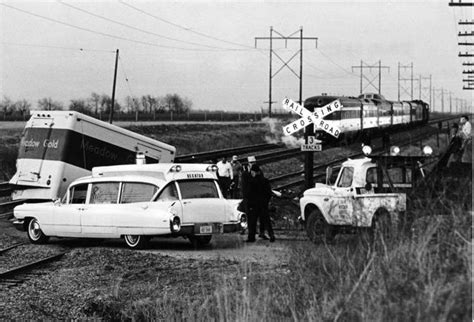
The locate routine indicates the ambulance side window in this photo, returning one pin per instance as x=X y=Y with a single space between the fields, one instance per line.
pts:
x=169 y=193
x=79 y=193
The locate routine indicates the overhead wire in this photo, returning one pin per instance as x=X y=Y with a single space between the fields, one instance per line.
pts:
x=138 y=29
x=184 y=28
x=58 y=47
x=107 y=34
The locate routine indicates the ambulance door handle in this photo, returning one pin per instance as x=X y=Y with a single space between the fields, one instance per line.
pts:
x=186 y=202
x=326 y=199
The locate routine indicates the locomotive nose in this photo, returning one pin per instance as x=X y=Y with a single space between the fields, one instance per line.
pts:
x=318 y=101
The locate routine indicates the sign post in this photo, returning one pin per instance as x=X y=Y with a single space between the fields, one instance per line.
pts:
x=309 y=119
x=309 y=156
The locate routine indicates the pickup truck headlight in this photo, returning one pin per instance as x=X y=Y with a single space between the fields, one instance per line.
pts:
x=175 y=224
x=243 y=221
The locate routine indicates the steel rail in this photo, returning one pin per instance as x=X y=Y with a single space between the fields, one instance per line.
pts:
x=208 y=155
x=10 y=247
x=26 y=267
x=5 y=189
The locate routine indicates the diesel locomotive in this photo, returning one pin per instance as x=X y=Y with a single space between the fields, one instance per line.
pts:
x=369 y=115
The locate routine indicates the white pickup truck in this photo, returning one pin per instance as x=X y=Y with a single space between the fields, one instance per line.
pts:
x=362 y=197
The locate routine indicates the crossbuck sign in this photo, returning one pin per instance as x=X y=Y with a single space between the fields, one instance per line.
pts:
x=307 y=117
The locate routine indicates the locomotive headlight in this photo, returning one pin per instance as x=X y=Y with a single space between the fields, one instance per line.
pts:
x=427 y=150
x=394 y=150
x=366 y=149
x=175 y=224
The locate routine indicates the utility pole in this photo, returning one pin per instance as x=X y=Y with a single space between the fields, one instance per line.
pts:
x=410 y=66
x=423 y=90
x=371 y=81
x=284 y=62
x=441 y=91
x=451 y=109
x=466 y=44
x=309 y=130
x=112 y=105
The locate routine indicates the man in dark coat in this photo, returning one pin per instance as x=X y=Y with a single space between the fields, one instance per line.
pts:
x=258 y=196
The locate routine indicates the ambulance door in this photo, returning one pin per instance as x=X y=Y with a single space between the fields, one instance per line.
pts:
x=202 y=202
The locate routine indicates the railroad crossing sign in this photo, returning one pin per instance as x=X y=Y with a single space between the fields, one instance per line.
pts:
x=307 y=117
x=312 y=145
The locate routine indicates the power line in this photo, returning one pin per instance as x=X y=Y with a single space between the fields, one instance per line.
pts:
x=135 y=28
x=184 y=28
x=336 y=64
x=103 y=33
x=58 y=47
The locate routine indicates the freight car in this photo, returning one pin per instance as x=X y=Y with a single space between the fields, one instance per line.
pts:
x=58 y=147
x=369 y=115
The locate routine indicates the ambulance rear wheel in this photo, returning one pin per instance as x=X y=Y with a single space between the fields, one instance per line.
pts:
x=136 y=241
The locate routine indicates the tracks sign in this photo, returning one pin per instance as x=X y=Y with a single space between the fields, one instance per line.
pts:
x=307 y=117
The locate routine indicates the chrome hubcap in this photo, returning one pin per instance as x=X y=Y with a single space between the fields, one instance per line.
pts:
x=35 y=230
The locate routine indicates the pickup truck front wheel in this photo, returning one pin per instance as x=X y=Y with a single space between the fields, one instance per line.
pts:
x=318 y=229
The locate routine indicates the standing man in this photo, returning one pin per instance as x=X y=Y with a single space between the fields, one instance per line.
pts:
x=236 y=172
x=224 y=175
x=259 y=194
x=466 y=137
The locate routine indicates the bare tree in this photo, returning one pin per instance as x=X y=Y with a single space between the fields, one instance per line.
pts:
x=7 y=106
x=79 y=105
x=95 y=102
x=106 y=104
x=132 y=103
x=48 y=104
x=176 y=104
x=23 y=106
x=149 y=103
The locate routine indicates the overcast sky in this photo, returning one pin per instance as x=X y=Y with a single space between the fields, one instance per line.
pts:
x=205 y=50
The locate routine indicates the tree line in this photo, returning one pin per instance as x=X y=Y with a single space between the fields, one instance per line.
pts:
x=102 y=103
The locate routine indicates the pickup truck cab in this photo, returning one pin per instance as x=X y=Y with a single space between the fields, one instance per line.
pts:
x=136 y=202
x=367 y=194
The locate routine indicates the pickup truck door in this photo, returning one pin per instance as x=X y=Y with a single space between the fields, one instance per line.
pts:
x=341 y=206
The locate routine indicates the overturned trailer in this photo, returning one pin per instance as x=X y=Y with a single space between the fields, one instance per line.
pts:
x=57 y=147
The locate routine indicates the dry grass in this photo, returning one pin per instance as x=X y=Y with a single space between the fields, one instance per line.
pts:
x=424 y=273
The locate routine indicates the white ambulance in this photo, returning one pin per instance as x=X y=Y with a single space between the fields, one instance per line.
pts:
x=137 y=202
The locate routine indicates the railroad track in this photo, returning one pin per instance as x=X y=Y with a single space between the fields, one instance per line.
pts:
x=20 y=273
x=5 y=189
x=6 y=208
x=211 y=155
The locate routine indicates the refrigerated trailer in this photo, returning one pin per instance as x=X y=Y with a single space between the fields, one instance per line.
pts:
x=57 y=147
